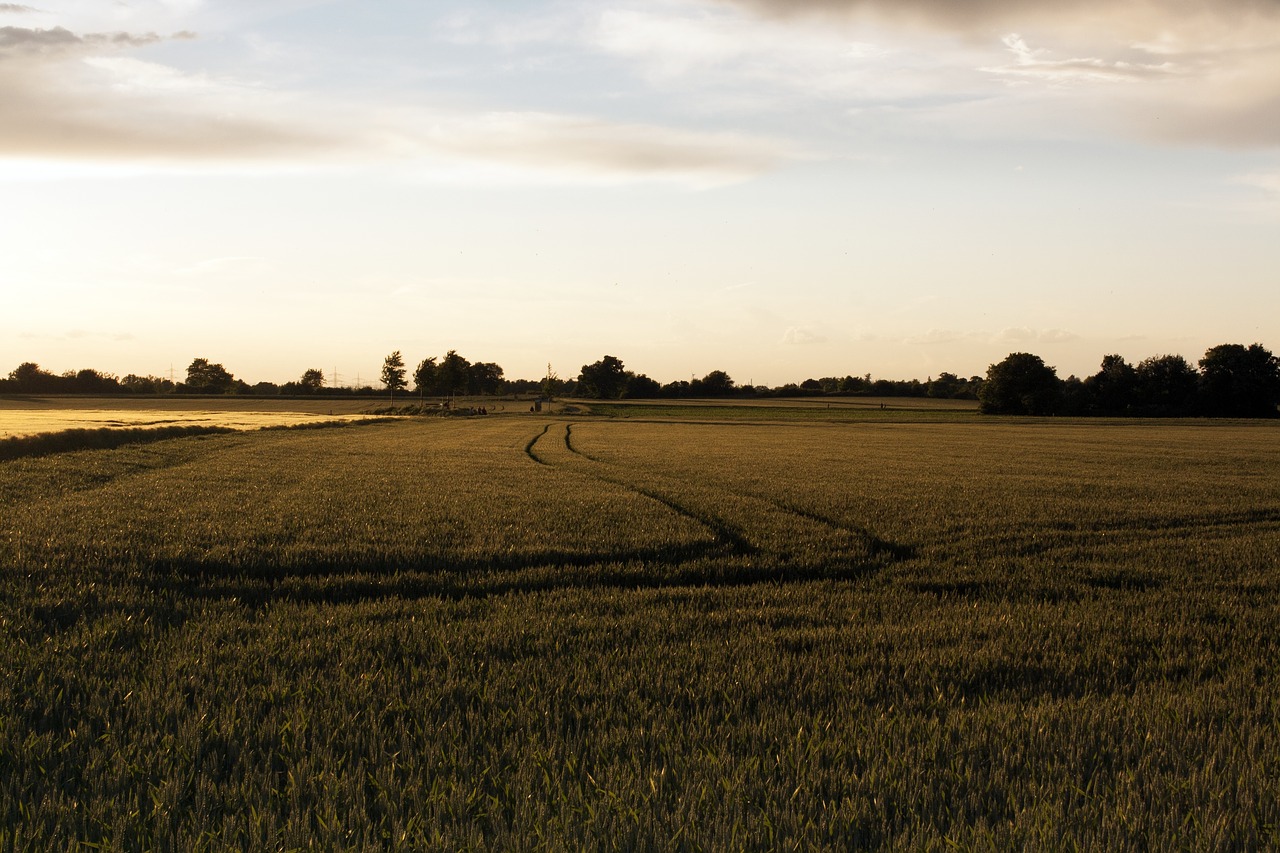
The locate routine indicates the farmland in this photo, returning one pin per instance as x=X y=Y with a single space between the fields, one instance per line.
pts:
x=25 y=416
x=647 y=629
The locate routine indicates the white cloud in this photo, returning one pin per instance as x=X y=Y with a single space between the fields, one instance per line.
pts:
x=1038 y=64
x=802 y=336
x=76 y=97
x=1022 y=334
x=1201 y=71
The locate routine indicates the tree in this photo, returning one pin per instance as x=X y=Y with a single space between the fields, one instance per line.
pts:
x=425 y=378
x=204 y=377
x=641 y=387
x=28 y=378
x=312 y=380
x=606 y=379
x=717 y=383
x=484 y=377
x=549 y=382
x=453 y=373
x=1114 y=387
x=1165 y=386
x=393 y=373
x=1239 y=381
x=946 y=386
x=1022 y=384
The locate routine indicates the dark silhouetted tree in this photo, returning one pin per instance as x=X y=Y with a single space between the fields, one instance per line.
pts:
x=1113 y=389
x=452 y=373
x=1239 y=381
x=204 y=377
x=393 y=373
x=641 y=387
x=606 y=379
x=717 y=383
x=1165 y=386
x=550 y=382
x=312 y=380
x=426 y=379
x=1021 y=384
x=28 y=378
x=484 y=377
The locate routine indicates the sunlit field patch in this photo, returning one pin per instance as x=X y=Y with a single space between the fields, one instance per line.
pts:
x=23 y=422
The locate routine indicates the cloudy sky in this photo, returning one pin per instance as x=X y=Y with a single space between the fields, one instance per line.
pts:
x=776 y=188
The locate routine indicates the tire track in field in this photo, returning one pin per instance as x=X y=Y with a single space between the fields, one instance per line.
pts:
x=876 y=545
x=528 y=448
x=724 y=532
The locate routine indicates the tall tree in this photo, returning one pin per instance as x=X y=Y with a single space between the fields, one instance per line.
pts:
x=204 y=377
x=453 y=373
x=717 y=383
x=1239 y=381
x=1021 y=384
x=484 y=377
x=29 y=378
x=549 y=382
x=425 y=379
x=1165 y=387
x=312 y=380
x=1113 y=388
x=393 y=373
x=605 y=379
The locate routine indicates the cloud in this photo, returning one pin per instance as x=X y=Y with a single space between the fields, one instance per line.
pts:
x=1019 y=335
x=1034 y=63
x=1268 y=182
x=802 y=336
x=984 y=15
x=72 y=96
x=81 y=97
x=1199 y=71
x=16 y=8
x=552 y=144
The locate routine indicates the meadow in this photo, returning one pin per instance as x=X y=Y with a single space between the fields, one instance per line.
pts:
x=520 y=632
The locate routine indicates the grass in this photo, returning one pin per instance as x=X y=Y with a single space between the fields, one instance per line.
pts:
x=539 y=633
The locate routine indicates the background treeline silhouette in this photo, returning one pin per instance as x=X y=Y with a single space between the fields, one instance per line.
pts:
x=1231 y=380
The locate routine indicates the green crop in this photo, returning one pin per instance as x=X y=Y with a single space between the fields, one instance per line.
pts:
x=513 y=633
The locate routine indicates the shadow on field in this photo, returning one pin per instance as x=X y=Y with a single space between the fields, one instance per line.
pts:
x=709 y=564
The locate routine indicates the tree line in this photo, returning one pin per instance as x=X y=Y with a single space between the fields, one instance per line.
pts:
x=1232 y=380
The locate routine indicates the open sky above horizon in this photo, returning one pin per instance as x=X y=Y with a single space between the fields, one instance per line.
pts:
x=780 y=189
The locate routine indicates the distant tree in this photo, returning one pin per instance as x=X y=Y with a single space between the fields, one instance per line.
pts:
x=1113 y=389
x=1165 y=386
x=946 y=386
x=1021 y=384
x=641 y=387
x=484 y=377
x=1239 y=381
x=678 y=388
x=811 y=386
x=1075 y=399
x=312 y=380
x=134 y=384
x=605 y=379
x=204 y=377
x=426 y=378
x=393 y=373
x=717 y=383
x=453 y=373
x=28 y=378
x=549 y=382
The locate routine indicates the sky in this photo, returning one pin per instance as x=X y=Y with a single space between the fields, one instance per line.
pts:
x=780 y=189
